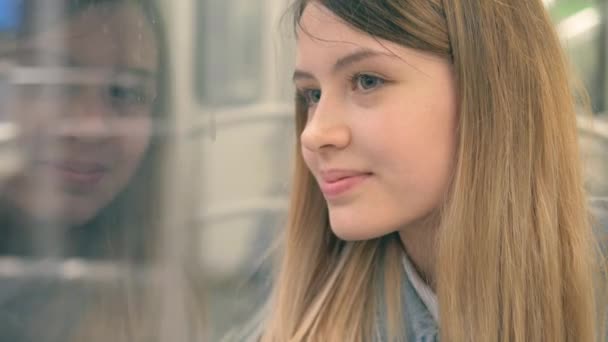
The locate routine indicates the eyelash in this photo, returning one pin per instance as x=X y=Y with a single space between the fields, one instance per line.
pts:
x=355 y=78
x=305 y=94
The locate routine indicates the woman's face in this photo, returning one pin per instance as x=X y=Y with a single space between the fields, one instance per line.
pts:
x=380 y=135
x=83 y=97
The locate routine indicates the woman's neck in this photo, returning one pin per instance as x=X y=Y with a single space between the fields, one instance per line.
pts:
x=419 y=242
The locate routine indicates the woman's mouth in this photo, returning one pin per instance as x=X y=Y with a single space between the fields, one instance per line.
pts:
x=336 y=183
x=78 y=173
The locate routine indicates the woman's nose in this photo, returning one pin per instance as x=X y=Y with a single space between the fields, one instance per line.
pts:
x=326 y=128
x=87 y=117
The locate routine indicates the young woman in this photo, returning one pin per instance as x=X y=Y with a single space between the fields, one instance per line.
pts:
x=437 y=192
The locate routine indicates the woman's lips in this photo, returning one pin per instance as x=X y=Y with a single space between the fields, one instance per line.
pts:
x=335 y=183
x=79 y=172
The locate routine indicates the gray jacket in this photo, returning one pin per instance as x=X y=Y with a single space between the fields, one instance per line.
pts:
x=419 y=324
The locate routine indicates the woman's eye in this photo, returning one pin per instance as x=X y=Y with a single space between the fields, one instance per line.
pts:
x=367 y=82
x=128 y=95
x=312 y=96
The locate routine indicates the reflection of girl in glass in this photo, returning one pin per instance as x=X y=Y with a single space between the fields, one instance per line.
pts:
x=437 y=191
x=87 y=111
x=88 y=91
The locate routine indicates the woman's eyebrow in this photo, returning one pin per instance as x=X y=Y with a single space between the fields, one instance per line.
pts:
x=345 y=61
x=302 y=75
x=357 y=56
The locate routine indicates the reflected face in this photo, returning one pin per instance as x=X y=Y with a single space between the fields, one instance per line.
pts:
x=85 y=112
x=381 y=126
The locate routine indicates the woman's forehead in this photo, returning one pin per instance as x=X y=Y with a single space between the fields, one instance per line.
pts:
x=322 y=36
x=117 y=35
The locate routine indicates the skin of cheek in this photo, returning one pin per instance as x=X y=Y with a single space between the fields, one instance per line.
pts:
x=77 y=207
x=130 y=148
x=410 y=144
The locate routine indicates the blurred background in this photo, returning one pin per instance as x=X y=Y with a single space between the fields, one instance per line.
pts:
x=209 y=84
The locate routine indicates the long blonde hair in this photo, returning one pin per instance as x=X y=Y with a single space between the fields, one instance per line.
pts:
x=516 y=257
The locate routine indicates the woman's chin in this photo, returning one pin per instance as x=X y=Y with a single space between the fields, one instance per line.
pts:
x=357 y=232
x=60 y=216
